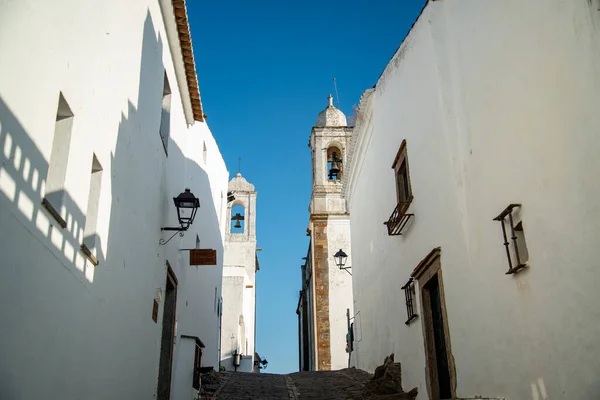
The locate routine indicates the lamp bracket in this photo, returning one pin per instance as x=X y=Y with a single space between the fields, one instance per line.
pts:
x=346 y=269
x=181 y=232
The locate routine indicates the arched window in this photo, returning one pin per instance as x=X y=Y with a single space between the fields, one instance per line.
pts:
x=334 y=164
x=237 y=219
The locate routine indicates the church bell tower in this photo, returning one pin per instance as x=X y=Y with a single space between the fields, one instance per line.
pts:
x=329 y=229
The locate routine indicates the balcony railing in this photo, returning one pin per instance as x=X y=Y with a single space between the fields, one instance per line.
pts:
x=398 y=219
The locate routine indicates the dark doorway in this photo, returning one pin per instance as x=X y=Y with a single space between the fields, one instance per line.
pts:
x=168 y=333
x=439 y=338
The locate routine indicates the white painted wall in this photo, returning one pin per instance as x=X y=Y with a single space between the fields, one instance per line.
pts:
x=57 y=309
x=498 y=104
x=183 y=370
x=340 y=290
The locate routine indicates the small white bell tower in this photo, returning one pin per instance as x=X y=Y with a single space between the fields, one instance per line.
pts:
x=240 y=263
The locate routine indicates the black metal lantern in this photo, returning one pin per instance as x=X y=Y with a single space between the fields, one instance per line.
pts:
x=340 y=259
x=336 y=166
x=237 y=218
x=264 y=363
x=187 y=205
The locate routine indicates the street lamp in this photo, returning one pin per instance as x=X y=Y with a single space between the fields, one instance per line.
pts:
x=187 y=205
x=340 y=260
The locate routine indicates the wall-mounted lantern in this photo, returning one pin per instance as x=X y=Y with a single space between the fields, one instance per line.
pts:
x=340 y=260
x=187 y=205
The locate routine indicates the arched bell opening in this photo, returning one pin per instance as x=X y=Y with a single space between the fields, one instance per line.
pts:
x=238 y=222
x=334 y=164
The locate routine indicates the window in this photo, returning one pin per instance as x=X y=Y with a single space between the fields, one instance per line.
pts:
x=409 y=292
x=215 y=301
x=403 y=189
x=205 y=155
x=90 y=241
x=59 y=157
x=197 y=363
x=518 y=257
x=334 y=164
x=165 y=115
x=350 y=339
x=404 y=196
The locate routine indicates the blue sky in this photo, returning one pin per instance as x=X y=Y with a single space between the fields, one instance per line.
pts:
x=265 y=69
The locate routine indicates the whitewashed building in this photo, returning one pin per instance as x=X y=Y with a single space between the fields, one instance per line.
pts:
x=326 y=295
x=101 y=126
x=478 y=148
x=238 y=333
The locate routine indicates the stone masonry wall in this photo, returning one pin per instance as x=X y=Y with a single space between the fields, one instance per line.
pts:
x=321 y=271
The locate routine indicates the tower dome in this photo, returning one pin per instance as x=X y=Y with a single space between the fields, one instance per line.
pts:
x=331 y=116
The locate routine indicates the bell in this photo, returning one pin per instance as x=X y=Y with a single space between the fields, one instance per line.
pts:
x=237 y=218
x=336 y=166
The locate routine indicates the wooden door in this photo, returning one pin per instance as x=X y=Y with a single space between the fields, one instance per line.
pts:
x=168 y=335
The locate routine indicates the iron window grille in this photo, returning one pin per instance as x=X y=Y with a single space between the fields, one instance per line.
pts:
x=517 y=235
x=400 y=216
x=197 y=361
x=409 y=291
x=350 y=339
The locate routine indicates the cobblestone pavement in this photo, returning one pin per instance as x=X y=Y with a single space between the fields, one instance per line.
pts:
x=324 y=385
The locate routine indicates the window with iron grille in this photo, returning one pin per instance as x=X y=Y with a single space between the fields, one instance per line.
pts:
x=409 y=292
x=516 y=247
x=197 y=361
x=400 y=217
x=350 y=339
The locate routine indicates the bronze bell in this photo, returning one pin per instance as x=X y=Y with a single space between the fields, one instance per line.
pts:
x=237 y=218
x=336 y=166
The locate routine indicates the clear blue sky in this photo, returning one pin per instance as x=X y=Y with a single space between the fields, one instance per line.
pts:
x=265 y=69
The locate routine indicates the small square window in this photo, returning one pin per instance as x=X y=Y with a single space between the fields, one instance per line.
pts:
x=516 y=249
x=409 y=292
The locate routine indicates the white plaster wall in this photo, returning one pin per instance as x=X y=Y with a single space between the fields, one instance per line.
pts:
x=497 y=104
x=183 y=370
x=57 y=309
x=340 y=290
x=233 y=294
x=197 y=300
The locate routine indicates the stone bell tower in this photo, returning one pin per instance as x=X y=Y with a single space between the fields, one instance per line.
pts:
x=329 y=229
x=240 y=263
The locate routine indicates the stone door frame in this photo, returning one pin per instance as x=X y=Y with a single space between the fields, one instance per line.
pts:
x=428 y=268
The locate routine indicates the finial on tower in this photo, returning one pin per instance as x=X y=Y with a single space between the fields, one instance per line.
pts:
x=330 y=99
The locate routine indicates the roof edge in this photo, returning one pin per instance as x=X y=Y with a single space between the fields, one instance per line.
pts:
x=185 y=42
x=402 y=42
